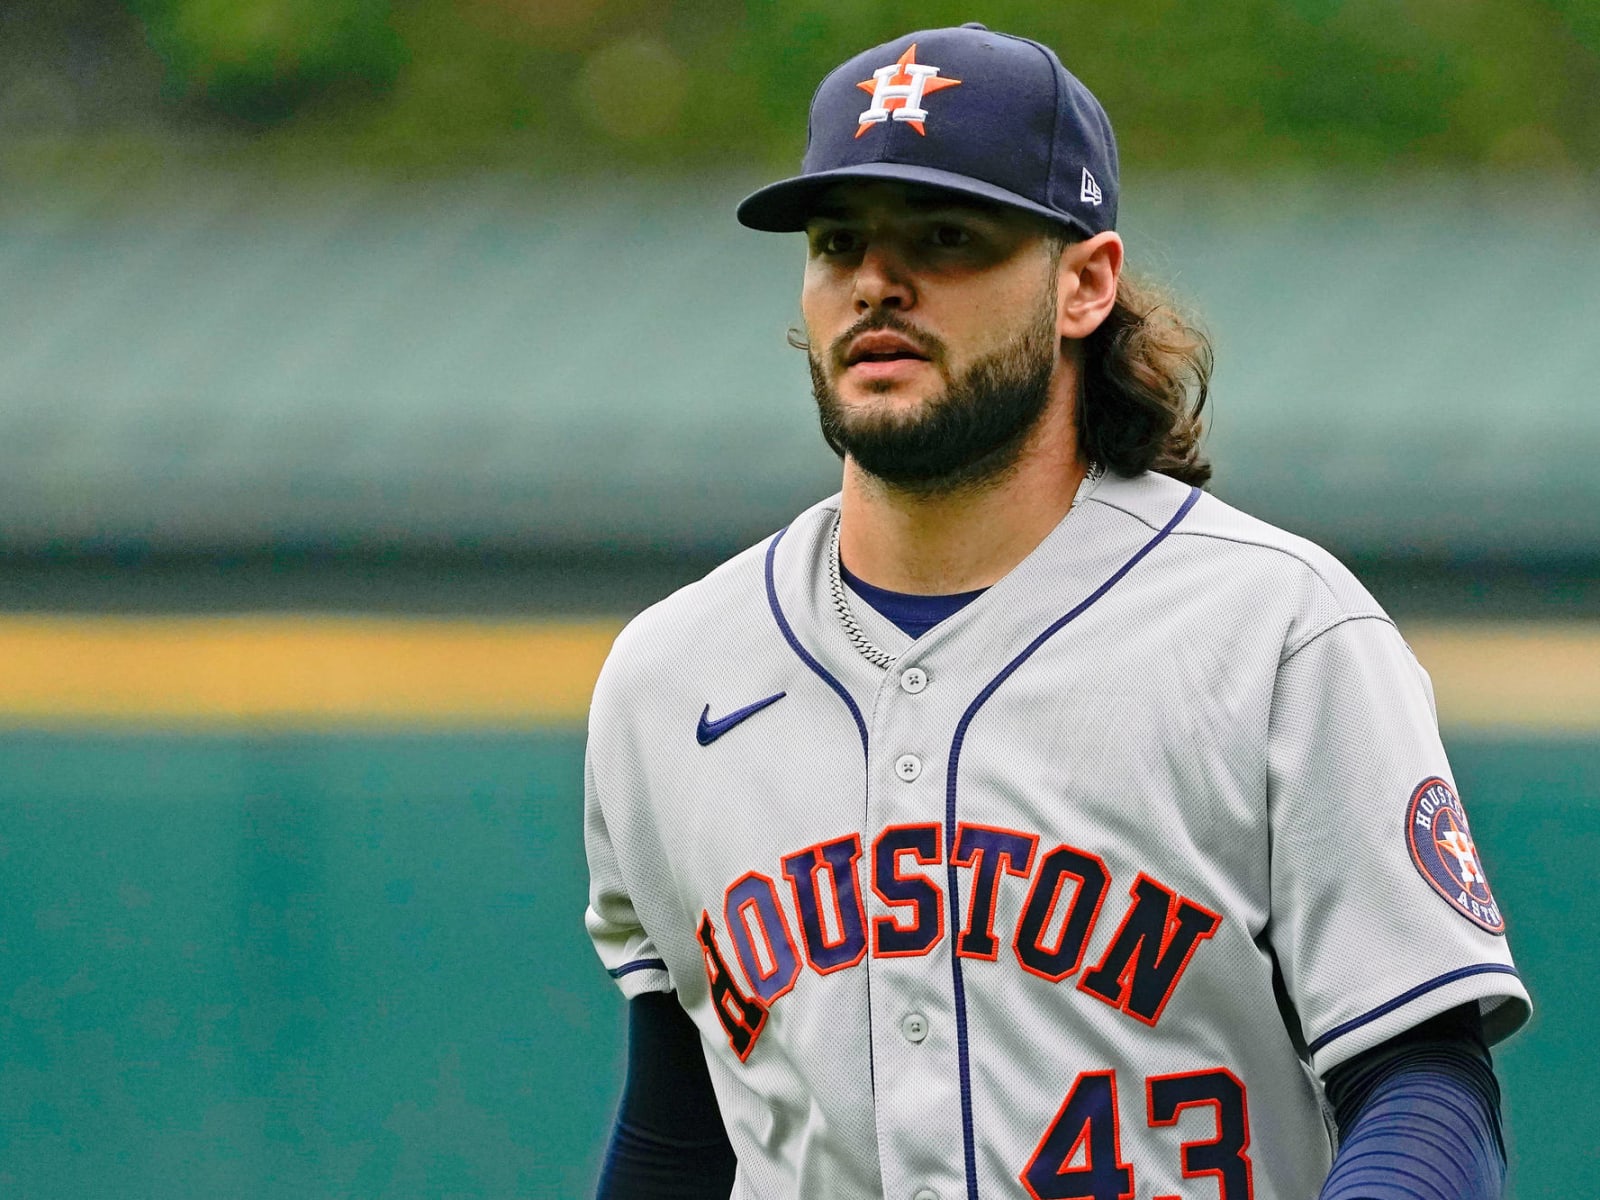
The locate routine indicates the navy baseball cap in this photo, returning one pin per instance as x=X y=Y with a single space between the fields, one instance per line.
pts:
x=966 y=110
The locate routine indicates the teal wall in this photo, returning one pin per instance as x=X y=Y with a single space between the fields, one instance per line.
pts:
x=298 y=967
x=354 y=966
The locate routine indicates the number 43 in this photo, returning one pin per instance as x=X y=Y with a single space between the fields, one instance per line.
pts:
x=1085 y=1133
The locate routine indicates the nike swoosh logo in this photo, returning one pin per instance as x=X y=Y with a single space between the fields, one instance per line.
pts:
x=709 y=731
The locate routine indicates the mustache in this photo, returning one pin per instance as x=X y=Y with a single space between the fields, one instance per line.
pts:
x=926 y=343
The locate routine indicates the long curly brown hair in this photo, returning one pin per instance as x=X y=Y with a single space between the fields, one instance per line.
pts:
x=1146 y=376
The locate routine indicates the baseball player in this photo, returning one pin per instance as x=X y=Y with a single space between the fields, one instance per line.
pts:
x=1023 y=821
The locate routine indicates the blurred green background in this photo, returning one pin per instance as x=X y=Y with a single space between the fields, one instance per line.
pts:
x=609 y=84
x=433 y=312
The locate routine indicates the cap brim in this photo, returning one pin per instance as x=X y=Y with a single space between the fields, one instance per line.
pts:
x=786 y=206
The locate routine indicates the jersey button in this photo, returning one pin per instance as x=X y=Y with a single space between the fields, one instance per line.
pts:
x=926 y=1194
x=914 y=1027
x=908 y=767
x=913 y=681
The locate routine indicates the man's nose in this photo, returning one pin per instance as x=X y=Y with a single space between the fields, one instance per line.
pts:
x=882 y=281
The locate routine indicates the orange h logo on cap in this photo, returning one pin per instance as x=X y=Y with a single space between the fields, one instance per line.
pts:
x=898 y=90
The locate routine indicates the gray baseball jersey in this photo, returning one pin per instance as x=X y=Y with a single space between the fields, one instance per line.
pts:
x=1076 y=899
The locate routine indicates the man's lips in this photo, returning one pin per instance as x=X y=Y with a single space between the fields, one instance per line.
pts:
x=882 y=346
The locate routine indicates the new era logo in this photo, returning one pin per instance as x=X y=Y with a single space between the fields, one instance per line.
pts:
x=1089 y=190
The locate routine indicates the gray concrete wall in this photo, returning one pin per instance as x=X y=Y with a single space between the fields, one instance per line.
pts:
x=225 y=362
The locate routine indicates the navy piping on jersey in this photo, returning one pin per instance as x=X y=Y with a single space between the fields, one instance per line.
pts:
x=962 y=1053
x=794 y=643
x=1404 y=998
x=638 y=964
x=861 y=728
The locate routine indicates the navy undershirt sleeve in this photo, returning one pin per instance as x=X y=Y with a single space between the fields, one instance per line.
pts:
x=668 y=1142
x=913 y=614
x=1419 y=1117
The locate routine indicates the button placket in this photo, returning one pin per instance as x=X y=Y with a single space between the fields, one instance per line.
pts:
x=912 y=1032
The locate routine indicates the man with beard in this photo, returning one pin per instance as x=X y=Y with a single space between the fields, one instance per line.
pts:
x=1047 y=824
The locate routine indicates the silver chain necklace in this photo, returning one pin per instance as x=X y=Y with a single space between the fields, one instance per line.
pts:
x=865 y=646
x=868 y=649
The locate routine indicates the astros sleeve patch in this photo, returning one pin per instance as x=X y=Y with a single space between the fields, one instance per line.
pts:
x=1442 y=848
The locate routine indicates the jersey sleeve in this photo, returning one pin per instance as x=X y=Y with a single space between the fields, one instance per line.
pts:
x=628 y=953
x=1381 y=913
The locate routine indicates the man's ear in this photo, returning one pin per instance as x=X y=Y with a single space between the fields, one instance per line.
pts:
x=1086 y=285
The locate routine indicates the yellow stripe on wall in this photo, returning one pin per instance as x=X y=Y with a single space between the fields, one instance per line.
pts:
x=1513 y=677
x=286 y=670
x=303 y=671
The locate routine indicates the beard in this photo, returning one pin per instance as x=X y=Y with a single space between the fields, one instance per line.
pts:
x=970 y=434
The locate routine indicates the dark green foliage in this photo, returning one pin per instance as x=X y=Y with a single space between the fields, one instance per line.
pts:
x=260 y=61
x=695 y=83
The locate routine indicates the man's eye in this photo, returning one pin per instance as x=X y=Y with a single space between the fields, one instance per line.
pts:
x=948 y=237
x=835 y=241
